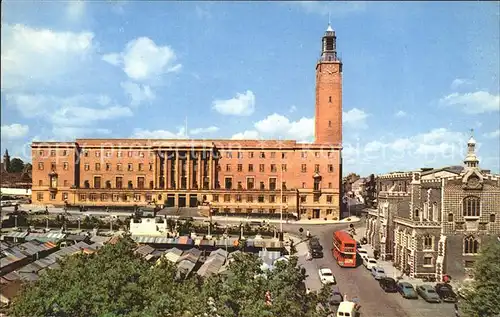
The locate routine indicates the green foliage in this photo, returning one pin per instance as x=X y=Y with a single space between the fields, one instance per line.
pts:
x=115 y=282
x=482 y=300
x=16 y=165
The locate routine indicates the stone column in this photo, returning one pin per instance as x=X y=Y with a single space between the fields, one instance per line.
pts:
x=211 y=172
x=200 y=171
x=177 y=170
x=188 y=171
x=165 y=170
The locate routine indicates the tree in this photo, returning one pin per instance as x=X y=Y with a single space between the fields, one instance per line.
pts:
x=370 y=191
x=16 y=165
x=115 y=281
x=482 y=299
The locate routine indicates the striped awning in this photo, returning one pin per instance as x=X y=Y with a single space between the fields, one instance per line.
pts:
x=144 y=239
x=16 y=234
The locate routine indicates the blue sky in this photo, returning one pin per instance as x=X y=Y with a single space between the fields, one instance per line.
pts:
x=417 y=76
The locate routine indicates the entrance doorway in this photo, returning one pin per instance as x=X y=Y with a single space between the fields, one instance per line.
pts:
x=170 y=200
x=316 y=213
x=193 y=201
x=182 y=200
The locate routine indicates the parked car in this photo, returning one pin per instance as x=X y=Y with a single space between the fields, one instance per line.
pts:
x=336 y=296
x=326 y=276
x=362 y=252
x=428 y=293
x=388 y=284
x=315 y=248
x=369 y=262
x=445 y=292
x=407 y=290
x=378 y=272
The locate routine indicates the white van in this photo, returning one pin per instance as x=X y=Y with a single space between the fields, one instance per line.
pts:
x=347 y=309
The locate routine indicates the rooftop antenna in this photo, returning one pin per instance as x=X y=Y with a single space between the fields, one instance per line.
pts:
x=329 y=15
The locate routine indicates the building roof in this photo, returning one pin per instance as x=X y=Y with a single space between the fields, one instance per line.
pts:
x=144 y=250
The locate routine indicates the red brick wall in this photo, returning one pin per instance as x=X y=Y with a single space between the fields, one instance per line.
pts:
x=328 y=119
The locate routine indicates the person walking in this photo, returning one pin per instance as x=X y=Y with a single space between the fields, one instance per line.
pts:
x=308 y=256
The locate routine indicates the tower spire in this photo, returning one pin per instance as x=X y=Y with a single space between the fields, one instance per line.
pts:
x=471 y=160
x=329 y=28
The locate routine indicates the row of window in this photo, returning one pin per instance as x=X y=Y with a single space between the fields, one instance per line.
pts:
x=471 y=207
x=272 y=155
x=102 y=197
x=261 y=198
x=258 y=210
x=274 y=168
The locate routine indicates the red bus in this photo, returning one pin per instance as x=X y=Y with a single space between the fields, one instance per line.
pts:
x=344 y=249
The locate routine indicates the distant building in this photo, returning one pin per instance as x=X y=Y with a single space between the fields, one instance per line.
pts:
x=433 y=222
x=14 y=180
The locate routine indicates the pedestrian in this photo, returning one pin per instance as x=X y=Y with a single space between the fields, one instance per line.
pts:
x=308 y=234
x=308 y=256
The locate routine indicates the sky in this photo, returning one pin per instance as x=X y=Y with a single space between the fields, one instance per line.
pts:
x=417 y=76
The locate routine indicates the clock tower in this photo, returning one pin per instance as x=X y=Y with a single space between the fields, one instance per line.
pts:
x=328 y=116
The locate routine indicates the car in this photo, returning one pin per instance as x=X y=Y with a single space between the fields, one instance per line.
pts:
x=315 y=248
x=378 y=272
x=446 y=293
x=369 y=262
x=336 y=296
x=388 y=284
x=428 y=293
x=326 y=276
x=363 y=253
x=314 y=243
x=407 y=290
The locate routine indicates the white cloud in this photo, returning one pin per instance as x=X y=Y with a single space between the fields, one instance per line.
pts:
x=138 y=93
x=355 y=118
x=473 y=103
x=84 y=116
x=75 y=9
x=246 y=135
x=400 y=114
x=14 y=131
x=143 y=60
x=292 y=109
x=458 y=82
x=492 y=134
x=31 y=55
x=159 y=134
x=241 y=105
x=197 y=131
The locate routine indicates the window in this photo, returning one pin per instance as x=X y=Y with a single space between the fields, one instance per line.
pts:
x=97 y=154
x=330 y=185
x=428 y=259
x=118 y=154
x=273 y=168
x=240 y=167
x=272 y=198
x=471 y=245
x=52 y=152
x=108 y=184
x=329 y=98
x=262 y=186
x=238 y=198
x=149 y=197
x=86 y=184
x=492 y=218
x=283 y=155
x=215 y=198
x=97 y=182
x=428 y=242
x=228 y=167
x=141 y=154
x=240 y=155
x=150 y=167
x=82 y=197
x=118 y=167
x=108 y=167
x=141 y=166
x=303 y=168
x=249 y=198
x=329 y=211
x=450 y=217
x=130 y=167
x=53 y=166
x=250 y=183
x=330 y=168
x=119 y=182
x=260 y=199
x=316 y=198
x=240 y=186
x=229 y=155
x=261 y=168
x=316 y=154
x=52 y=196
x=40 y=183
x=303 y=199
x=283 y=185
x=227 y=198
x=151 y=185
x=130 y=185
x=272 y=183
x=86 y=167
x=262 y=155
x=40 y=166
x=129 y=153
x=107 y=154
x=283 y=167
x=86 y=153
x=97 y=166
x=250 y=167
x=140 y=182
x=303 y=184
x=137 y=197
x=273 y=154
x=65 y=166
x=64 y=196
x=316 y=168
x=329 y=199
x=416 y=214
x=284 y=199
x=304 y=154
x=39 y=196
x=250 y=154
x=228 y=183
x=330 y=154
x=329 y=124
x=471 y=206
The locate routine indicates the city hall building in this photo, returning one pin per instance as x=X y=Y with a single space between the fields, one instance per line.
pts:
x=235 y=176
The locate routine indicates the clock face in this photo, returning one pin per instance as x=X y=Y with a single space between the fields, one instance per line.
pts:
x=473 y=182
x=330 y=69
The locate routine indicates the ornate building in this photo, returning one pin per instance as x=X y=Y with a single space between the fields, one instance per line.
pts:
x=433 y=222
x=249 y=176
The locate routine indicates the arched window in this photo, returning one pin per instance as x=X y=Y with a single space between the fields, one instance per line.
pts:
x=428 y=243
x=435 y=213
x=471 y=245
x=450 y=217
x=416 y=214
x=492 y=218
x=471 y=206
x=108 y=184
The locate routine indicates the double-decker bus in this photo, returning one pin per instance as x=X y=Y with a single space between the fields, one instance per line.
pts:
x=344 y=249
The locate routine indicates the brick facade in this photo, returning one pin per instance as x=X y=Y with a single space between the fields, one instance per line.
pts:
x=233 y=176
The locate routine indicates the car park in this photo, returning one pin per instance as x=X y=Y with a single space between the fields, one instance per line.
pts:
x=369 y=262
x=407 y=290
x=428 y=293
x=336 y=296
x=446 y=293
x=326 y=276
x=388 y=284
x=378 y=272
